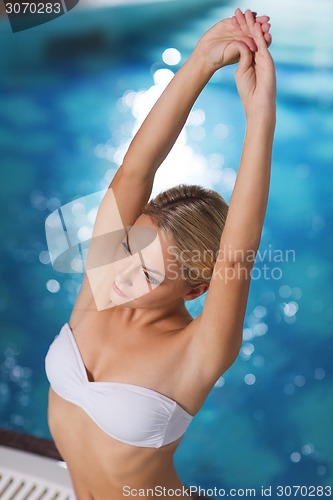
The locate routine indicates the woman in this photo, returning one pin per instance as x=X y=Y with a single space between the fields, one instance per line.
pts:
x=132 y=367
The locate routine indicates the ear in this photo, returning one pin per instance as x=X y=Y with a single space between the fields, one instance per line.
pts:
x=195 y=292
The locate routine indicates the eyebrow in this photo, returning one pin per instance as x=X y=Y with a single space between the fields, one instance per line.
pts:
x=146 y=268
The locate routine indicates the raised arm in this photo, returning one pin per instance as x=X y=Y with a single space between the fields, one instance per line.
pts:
x=131 y=187
x=165 y=121
x=255 y=78
x=220 y=326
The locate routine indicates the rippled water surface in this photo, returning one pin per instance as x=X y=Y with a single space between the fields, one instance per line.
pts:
x=65 y=124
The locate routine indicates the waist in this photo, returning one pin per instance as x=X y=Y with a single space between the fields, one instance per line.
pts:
x=97 y=459
x=101 y=478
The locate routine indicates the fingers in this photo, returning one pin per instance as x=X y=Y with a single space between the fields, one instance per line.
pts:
x=250 y=43
x=268 y=38
x=262 y=19
x=235 y=22
x=239 y=14
x=265 y=27
x=241 y=20
x=250 y=19
x=246 y=58
x=259 y=37
x=247 y=21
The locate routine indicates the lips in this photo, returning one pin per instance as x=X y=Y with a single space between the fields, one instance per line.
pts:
x=117 y=290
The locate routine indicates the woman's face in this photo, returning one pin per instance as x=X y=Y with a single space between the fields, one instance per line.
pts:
x=146 y=272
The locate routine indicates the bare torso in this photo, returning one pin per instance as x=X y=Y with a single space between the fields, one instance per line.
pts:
x=114 y=349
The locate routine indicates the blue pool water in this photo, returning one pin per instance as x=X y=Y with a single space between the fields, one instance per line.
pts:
x=65 y=123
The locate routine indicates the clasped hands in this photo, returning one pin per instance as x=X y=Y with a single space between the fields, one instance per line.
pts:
x=217 y=44
x=244 y=38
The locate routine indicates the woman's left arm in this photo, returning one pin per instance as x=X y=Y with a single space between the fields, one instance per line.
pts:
x=218 y=335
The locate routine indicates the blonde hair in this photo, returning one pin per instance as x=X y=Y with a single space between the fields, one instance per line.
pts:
x=193 y=218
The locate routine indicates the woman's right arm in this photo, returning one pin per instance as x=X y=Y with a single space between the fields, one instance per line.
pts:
x=132 y=184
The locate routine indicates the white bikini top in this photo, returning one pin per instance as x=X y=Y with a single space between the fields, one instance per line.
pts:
x=129 y=413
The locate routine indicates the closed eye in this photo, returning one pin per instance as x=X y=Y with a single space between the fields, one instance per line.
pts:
x=149 y=278
x=125 y=247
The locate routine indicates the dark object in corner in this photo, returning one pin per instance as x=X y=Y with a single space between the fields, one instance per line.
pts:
x=25 y=442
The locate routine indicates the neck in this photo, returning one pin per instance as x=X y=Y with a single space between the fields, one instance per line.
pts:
x=144 y=318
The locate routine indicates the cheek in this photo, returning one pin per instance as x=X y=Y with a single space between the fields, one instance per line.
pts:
x=143 y=293
x=140 y=285
x=157 y=293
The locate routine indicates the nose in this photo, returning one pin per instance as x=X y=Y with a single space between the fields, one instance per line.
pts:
x=124 y=274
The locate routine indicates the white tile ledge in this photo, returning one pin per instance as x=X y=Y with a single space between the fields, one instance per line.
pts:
x=24 y=475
